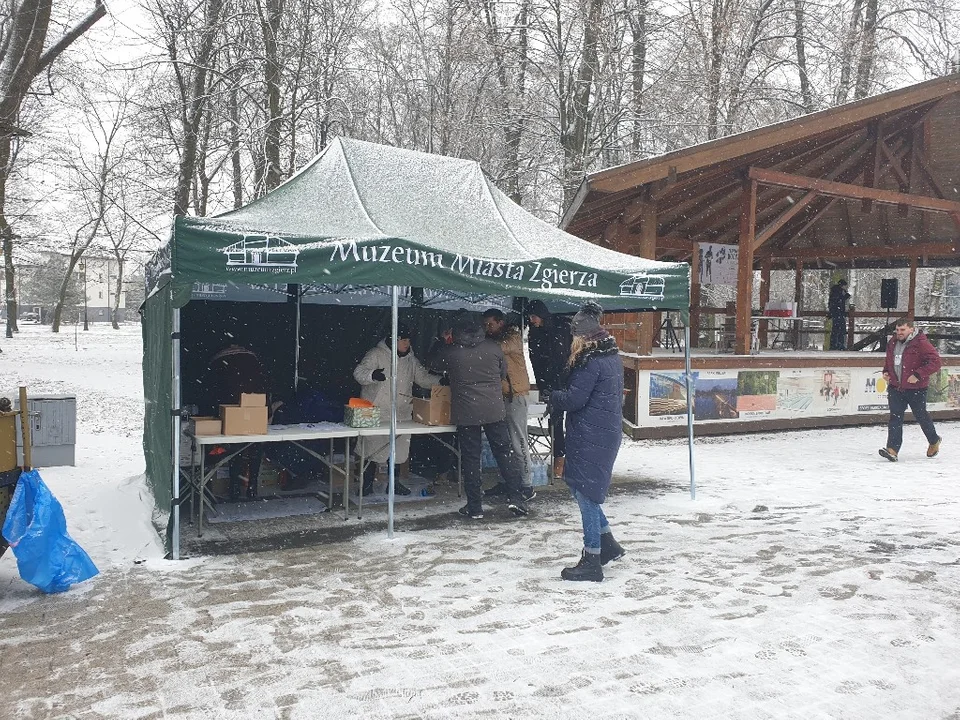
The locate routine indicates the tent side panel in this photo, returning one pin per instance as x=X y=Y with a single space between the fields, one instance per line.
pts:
x=157 y=386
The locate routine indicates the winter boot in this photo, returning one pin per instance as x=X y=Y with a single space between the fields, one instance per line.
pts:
x=465 y=511
x=369 y=475
x=587 y=569
x=399 y=488
x=889 y=453
x=518 y=507
x=610 y=549
x=934 y=448
x=499 y=489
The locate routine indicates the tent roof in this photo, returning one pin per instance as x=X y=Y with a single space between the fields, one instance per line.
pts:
x=370 y=214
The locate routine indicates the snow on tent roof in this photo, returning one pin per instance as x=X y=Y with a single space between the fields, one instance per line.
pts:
x=372 y=214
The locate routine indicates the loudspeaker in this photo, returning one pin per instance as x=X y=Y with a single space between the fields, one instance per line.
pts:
x=889 y=291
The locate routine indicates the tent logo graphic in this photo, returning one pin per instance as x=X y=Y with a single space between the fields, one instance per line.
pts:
x=641 y=285
x=262 y=254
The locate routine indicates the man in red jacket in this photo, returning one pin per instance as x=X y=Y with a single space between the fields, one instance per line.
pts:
x=911 y=360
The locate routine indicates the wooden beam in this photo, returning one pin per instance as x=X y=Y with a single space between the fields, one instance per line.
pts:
x=695 y=299
x=857 y=192
x=912 y=296
x=870 y=165
x=748 y=228
x=765 y=265
x=866 y=252
x=772 y=228
x=649 y=322
x=798 y=299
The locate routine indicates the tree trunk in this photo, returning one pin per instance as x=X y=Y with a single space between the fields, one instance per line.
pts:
x=236 y=168
x=64 y=286
x=270 y=17
x=801 y=43
x=638 y=62
x=116 y=297
x=868 y=51
x=717 y=42
x=194 y=107
x=846 y=59
x=574 y=140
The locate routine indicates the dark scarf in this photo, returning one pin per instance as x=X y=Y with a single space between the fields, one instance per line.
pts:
x=607 y=346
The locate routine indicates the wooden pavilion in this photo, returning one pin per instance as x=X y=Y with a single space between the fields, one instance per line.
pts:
x=873 y=183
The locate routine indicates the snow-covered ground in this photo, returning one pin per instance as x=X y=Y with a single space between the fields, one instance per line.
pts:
x=809 y=579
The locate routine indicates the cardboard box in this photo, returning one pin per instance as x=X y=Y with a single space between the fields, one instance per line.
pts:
x=205 y=426
x=434 y=410
x=252 y=399
x=238 y=420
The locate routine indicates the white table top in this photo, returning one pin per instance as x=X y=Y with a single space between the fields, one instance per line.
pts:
x=405 y=427
x=284 y=433
x=323 y=431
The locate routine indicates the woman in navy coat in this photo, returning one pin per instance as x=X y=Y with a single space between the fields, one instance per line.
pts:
x=593 y=401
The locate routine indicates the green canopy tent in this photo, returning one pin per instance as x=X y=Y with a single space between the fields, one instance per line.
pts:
x=362 y=214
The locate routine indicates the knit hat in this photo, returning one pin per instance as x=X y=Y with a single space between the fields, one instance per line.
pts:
x=586 y=323
x=403 y=333
x=538 y=308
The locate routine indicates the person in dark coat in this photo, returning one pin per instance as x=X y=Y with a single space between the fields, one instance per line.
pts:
x=593 y=400
x=232 y=371
x=837 y=307
x=910 y=362
x=476 y=368
x=549 y=342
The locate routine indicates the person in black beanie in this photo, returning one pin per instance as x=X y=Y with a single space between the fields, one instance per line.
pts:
x=593 y=400
x=549 y=342
x=476 y=368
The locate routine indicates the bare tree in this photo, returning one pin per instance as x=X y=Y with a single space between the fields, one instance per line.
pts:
x=24 y=54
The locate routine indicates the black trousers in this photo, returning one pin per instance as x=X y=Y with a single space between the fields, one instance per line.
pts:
x=559 y=439
x=838 y=333
x=899 y=400
x=508 y=463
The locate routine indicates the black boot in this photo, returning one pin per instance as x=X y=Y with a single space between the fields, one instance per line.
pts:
x=587 y=569
x=369 y=475
x=610 y=549
x=399 y=488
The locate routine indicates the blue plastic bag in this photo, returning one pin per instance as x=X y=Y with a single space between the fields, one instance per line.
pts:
x=37 y=532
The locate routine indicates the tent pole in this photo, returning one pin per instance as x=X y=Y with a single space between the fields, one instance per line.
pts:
x=391 y=482
x=296 y=347
x=175 y=397
x=690 y=388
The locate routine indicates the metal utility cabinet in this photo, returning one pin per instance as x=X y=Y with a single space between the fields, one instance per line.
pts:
x=53 y=430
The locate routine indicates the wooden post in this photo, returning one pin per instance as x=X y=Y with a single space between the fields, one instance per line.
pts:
x=764 y=295
x=912 y=297
x=748 y=229
x=695 y=298
x=649 y=324
x=25 y=429
x=798 y=299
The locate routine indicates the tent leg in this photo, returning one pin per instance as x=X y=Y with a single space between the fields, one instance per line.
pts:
x=690 y=389
x=296 y=346
x=175 y=425
x=391 y=482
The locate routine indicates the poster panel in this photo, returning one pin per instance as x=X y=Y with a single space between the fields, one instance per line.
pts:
x=717 y=263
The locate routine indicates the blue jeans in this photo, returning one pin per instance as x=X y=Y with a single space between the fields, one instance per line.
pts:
x=899 y=400
x=594 y=522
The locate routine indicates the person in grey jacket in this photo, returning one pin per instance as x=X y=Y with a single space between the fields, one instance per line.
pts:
x=476 y=368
